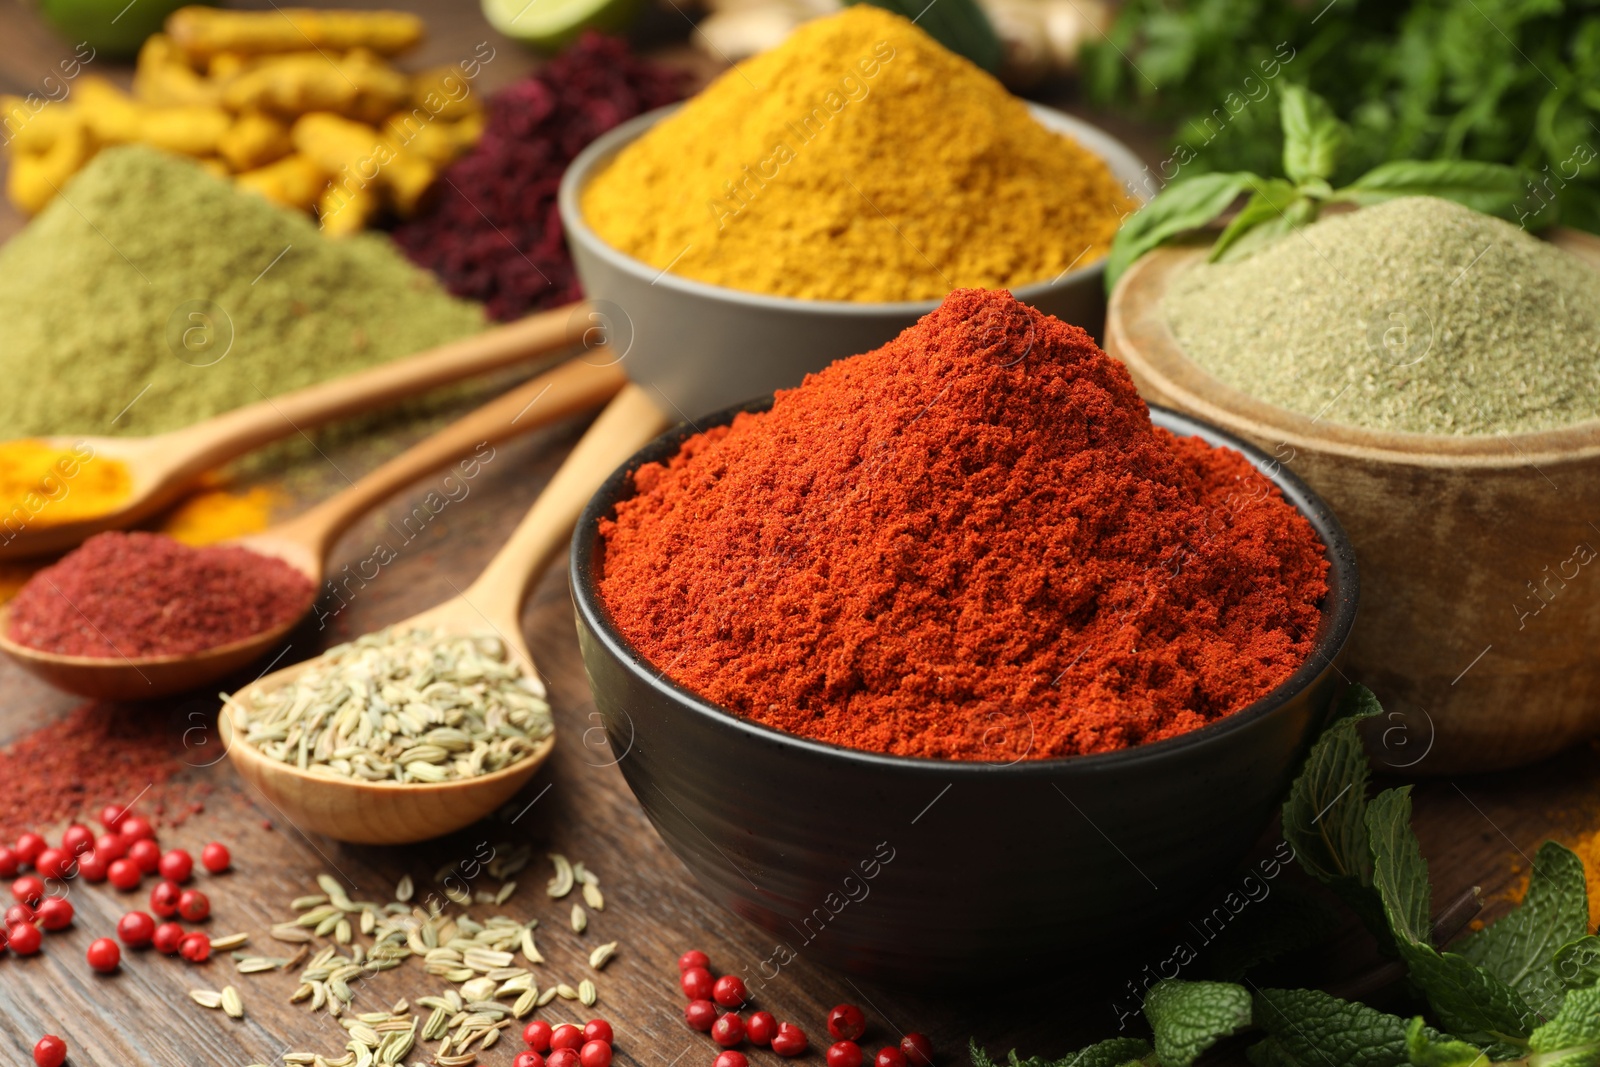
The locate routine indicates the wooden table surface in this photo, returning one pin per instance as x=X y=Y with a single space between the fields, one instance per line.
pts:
x=1475 y=831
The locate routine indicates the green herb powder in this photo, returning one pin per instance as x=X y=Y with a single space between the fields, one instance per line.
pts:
x=151 y=295
x=1416 y=315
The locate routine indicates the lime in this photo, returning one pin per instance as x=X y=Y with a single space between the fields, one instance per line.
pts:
x=113 y=28
x=550 y=24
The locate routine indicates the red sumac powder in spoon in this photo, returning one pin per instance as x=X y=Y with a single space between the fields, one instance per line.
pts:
x=144 y=594
x=970 y=543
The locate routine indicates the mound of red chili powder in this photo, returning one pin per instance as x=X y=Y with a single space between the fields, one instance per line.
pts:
x=144 y=594
x=970 y=543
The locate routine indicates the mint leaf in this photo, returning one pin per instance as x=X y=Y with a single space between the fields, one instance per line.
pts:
x=1578 y=964
x=1308 y=1028
x=1187 y=204
x=1521 y=948
x=1313 y=136
x=1324 y=817
x=1467 y=999
x=1269 y=1053
x=1427 y=1049
x=1190 y=1017
x=1572 y=1038
x=1399 y=872
x=1117 y=1052
x=1488 y=187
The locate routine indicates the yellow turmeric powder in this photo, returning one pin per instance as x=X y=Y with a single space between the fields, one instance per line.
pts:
x=859 y=160
x=214 y=515
x=43 y=485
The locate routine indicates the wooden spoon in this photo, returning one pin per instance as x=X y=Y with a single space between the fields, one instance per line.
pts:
x=303 y=542
x=395 y=812
x=164 y=465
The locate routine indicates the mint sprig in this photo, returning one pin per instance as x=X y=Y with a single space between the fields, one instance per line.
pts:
x=1324 y=817
x=1523 y=992
x=1468 y=999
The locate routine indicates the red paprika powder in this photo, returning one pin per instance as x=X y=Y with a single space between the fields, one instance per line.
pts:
x=970 y=543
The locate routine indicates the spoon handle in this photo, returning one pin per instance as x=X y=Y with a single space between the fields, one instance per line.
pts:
x=570 y=388
x=211 y=443
x=626 y=425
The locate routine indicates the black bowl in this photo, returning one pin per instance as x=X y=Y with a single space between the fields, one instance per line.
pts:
x=914 y=871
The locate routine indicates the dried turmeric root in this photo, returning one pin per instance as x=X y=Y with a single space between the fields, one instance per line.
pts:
x=192 y=130
x=163 y=76
x=255 y=140
x=35 y=178
x=293 y=181
x=205 y=31
x=295 y=84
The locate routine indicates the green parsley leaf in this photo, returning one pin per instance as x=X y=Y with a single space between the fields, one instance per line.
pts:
x=1190 y=1017
x=1313 y=136
x=1427 y=1049
x=1309 y=1028
x=1521 y=948
x=1186 y=204
x=1468 y=1000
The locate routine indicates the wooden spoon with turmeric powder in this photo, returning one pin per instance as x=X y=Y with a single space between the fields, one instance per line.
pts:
x=304 y=541
x=111 y=483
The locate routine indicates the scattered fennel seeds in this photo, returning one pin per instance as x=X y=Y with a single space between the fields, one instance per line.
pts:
x=410 y=706
x=489 y=987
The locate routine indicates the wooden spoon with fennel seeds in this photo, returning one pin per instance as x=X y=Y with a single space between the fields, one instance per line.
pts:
x=389 y=812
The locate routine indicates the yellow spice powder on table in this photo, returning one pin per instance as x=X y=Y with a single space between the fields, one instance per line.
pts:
x=216 y=515
x=860 y=160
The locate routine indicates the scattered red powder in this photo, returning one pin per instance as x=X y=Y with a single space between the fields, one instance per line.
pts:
x=968 y=544
x=97 y=754
x=492 y=231
x=144 y=594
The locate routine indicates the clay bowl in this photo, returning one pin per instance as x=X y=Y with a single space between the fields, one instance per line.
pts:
x=1478 y=669
x=705 y=347
x=919 y=871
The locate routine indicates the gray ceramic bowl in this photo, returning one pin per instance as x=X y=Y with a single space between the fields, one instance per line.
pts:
x=918 y=871
x=707 y=347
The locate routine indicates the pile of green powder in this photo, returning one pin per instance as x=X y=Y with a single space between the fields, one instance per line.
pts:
x=118 y=302
x=1417 y=315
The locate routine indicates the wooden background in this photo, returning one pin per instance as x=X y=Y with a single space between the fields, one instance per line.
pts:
x=1476 y=831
